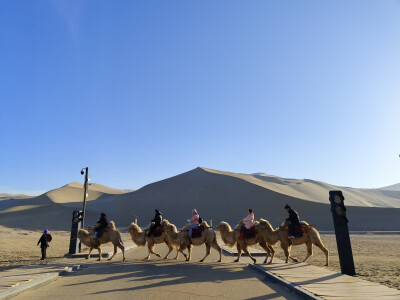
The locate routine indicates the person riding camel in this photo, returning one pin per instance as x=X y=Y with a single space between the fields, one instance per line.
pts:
x=248 y=223
x=194 y=220
x=103 y=223
x=157 y=222
x=294 y=221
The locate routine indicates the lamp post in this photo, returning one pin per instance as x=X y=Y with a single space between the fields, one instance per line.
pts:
x=85 y=192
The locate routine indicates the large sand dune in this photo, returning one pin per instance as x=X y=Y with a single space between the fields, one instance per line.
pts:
x=216 y=194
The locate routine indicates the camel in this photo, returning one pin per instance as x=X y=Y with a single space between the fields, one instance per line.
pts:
x=231 y=237
x=208 y=237
x=140 y=238
x=272 y=236
x=112 y=235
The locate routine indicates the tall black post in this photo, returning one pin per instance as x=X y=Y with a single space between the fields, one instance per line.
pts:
x=85 y=188
x=342 y=233
x=74 y=243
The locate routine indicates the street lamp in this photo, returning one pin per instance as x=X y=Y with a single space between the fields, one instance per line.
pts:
x=85 y=192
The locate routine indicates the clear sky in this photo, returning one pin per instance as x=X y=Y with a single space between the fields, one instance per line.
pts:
x=139 y=91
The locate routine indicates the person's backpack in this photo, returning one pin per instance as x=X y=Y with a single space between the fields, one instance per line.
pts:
x=48 y=238
x=200 y=220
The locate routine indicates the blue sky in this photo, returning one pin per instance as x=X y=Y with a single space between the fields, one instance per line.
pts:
x=143 y=90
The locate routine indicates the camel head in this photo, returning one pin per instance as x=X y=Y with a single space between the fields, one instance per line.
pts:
x=224 y=226
x=264 y=224
x=83 y=234
x=134 y=228
x=170 y=228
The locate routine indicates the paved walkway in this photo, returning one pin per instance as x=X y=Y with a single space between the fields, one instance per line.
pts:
x=25 y=274
x=322 y=282
x=157 y=278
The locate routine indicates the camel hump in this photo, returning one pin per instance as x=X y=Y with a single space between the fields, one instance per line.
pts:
x=239 y=225
x=111 y=225
x=186 y=227
x=205 y=224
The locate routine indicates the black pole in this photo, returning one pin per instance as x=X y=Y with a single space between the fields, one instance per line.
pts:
x=342 y=233
x=85 y=188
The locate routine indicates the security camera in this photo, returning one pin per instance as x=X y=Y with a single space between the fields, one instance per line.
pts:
x=82 y=172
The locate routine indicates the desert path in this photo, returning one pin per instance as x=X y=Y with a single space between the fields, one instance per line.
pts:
x=161 y=279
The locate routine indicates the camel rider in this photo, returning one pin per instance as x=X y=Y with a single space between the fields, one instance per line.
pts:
x=157 y=222
x=294 y=221
x=194 y=221
x=103 y=223
x=248 y=223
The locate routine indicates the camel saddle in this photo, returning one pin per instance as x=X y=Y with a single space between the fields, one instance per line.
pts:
x=102 y=231
x=299 y=230
x=251 y=232
x=158 y=231
x=196 y=232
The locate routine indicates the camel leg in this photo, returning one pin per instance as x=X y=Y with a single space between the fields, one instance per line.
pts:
x=150 y=247
x=215 y=244
x=325 y=250
x=285 y=249
x=208 y=251
x=122 y=247
x=246 y=250
x=90 y=251
x=170 y=249
x=180 y=251
x=270 y=251
x=239 y=252
x=100 y=254
x=309 y=251
x=189 y=247
x=115 y=252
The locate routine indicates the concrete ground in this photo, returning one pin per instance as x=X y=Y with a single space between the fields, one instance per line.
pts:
x=161 y=279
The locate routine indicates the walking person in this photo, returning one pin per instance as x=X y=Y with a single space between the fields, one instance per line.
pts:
x=44 y=241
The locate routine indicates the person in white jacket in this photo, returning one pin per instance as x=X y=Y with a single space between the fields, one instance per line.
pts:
x=248 y=223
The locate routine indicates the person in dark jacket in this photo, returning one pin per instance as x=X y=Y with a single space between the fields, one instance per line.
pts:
x=157 y=222
x=44 y=241
x=294 y=221
x=103 y=223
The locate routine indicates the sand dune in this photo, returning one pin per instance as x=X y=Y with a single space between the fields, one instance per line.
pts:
x=393 y=187
x=216 y=194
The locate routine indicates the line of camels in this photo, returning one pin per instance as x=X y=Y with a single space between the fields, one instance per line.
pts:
x=265 y=236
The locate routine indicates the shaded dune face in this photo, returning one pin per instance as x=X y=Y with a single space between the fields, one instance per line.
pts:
x=222 y=196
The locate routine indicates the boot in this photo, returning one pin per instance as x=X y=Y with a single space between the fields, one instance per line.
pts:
x=241 y=237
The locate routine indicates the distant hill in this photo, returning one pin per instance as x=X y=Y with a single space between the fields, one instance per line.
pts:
x=394 y=187
x=216 y=194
